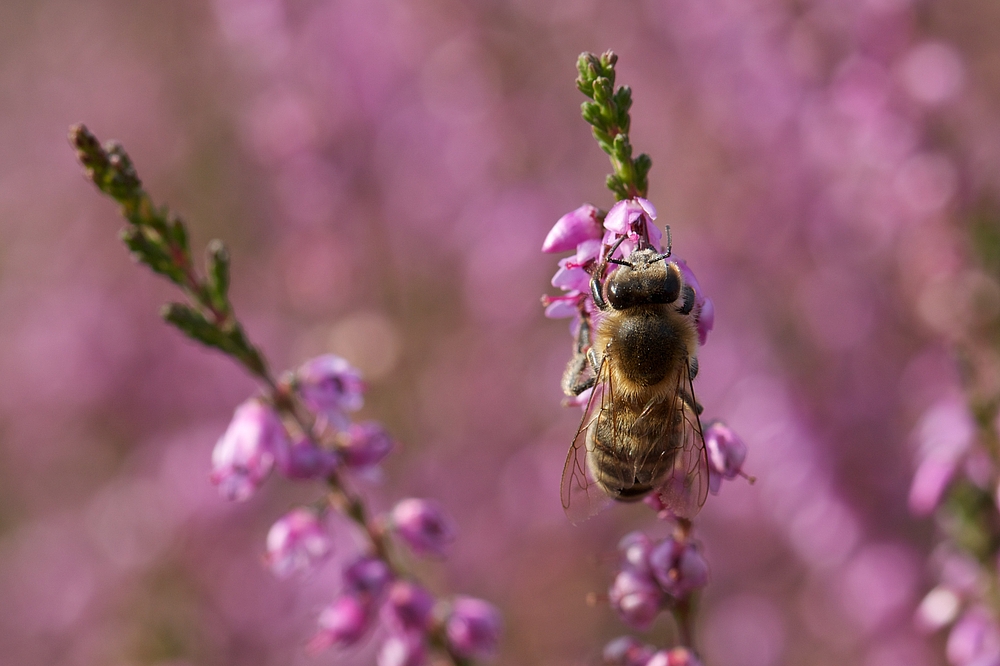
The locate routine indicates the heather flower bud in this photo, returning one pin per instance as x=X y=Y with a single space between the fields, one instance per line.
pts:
x=403 y=650
x=627 y=651
x=343 y=622
x=726 y=453
x=635 y=548
x=423 y=525
x=473 y=628
x=244 y=455
x=678 y=567
x=303 y=459
x=631 y=217
x=974 y=640
x=297 y=542
x=636 y=597
x=572 y=229
x=408 y=607
x=368 y=575
x=329 y=386
x=679 y=656
x=365 y=445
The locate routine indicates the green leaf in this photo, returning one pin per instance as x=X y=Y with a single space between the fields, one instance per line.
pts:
x=218 y=274
x=194 y=324
x=152 y=253
x=591 y=112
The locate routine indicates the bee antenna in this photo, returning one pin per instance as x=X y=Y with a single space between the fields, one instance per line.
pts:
x=620 y=262
x=615 y=247
x=670 y=244
x=660 y=257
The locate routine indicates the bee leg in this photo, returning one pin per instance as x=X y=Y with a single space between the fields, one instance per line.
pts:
x=598 y=293
x=693 y=367
x=578 y=377
x=688 y=304
x=575 y=380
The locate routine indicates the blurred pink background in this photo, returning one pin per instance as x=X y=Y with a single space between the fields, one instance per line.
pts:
x=384 y=172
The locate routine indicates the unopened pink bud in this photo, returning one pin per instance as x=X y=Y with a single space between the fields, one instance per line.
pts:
x=678 y=567
x=244 y=455
x=726 y=453
x=330 y=386
x=423 y=525
x=636 y=597
x=473 y=628
x=408 y=606
x=304 y=459
x=572 y=229
x=366 y=445
x=343 y=622
x=297 y=542
x=402 y=650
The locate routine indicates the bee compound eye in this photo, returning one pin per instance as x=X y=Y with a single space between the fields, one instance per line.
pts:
x=672 y=283
x=619 y=294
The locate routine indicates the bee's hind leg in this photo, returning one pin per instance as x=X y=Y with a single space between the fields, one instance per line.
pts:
x=576 y=379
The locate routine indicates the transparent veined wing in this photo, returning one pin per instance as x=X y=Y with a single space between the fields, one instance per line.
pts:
x=581 y=495
x=685 y=487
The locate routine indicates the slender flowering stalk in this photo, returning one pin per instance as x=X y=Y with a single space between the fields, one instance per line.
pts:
x=300 y=425
x=957 y=479
x=663 y=575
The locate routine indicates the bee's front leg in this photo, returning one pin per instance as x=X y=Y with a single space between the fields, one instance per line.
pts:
x=577 y=379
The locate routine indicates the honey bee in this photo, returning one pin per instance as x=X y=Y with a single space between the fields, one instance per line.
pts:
x=641 y=430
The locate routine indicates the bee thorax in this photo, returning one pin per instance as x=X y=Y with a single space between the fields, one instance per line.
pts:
x=647 y=348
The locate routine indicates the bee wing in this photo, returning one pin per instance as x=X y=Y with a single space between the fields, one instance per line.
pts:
x=581 y=496
x=685 y=487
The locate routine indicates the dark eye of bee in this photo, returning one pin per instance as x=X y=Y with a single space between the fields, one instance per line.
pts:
x=628 y=288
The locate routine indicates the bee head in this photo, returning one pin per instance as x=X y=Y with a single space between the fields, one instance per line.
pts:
x=645 y=278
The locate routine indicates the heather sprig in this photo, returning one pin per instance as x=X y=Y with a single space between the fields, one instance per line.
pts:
x=300 y=426
x=957 y=479
x=608 y=114
x=654 y=576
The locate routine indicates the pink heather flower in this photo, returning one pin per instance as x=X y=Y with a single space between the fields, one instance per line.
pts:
x=329 y=386
x=627 y=651
x=726 y=453
x=342 y=623
x=304 y=459
x=297 y=542
x=423 y=525
x=974 y=640
x=679 y=656
x=571 y=277
x=244 y=455
x=678 y=567
x=635 y=548
x=367 y=576
x=365 y=445
x=706 y=320
x=929 y=483
x=636 y=597
x=473 y=628
x=703 y=307
x=633 y=218
x=561 y=307
x=408 y=607
x=402 y=650
x=572 y=229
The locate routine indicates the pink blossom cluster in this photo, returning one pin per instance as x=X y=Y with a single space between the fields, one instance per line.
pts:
x=592 y=234
x=655 y=575
x=951 y=457
x=262 y=437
